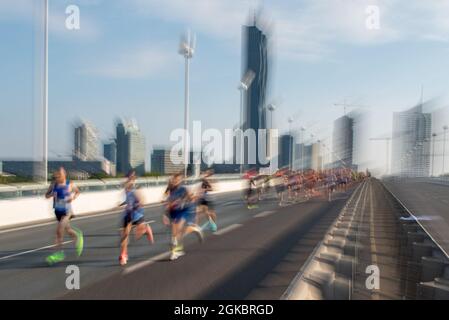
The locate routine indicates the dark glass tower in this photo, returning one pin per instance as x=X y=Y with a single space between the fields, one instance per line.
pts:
x=122 y=147
x=255 y=58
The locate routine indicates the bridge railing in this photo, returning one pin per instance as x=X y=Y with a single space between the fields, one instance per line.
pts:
x=25 y=204
x=14 y=191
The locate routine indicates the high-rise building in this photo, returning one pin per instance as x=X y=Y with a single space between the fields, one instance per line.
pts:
x=343 y=142
x=110 y=151
x=285 y=151
x=161 y=162
x=316 y=156
x=307 y=160
x=411 y=142
x=255 y=58
x=298 y=158
x=130 y=148
x=86 y=143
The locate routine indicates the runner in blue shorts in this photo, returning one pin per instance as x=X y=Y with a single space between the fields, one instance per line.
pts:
x=179 y=206
x=63 y=192
x=133 y=216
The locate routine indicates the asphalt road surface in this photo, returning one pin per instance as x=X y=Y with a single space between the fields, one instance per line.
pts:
x=429 y=203
x=254 y=255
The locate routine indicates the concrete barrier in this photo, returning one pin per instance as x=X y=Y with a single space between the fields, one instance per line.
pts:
x=331 y=270
x=29 y=210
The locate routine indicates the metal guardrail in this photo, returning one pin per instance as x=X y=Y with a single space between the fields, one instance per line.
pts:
x=332 y=270
x=439 y=180
x=14 y=191
x=305 y=270
x=428 y=233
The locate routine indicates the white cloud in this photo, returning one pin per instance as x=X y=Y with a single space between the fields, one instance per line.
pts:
x=14 y=8
x=310 y=29
x=32 y=11
x=132 y=64
x=213 y=17
x=88 y=28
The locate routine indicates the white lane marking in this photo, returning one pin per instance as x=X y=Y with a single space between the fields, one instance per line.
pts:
x=164 y=255
x=34 y=250
x=264 y=214
x=77 y=217
x=227 y=229
x=229 y=203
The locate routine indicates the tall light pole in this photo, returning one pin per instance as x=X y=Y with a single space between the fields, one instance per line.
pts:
x=434 y=135
x=320 y=156
x=444 y=145
x=271 y=107
x=45 y=98
x=302 y=147
x=290 y=138
x=243 y=87
x=186 y=49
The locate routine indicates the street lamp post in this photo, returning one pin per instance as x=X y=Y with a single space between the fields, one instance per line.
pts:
x=271 y=107
x=244 y=85
x=302 y=148
x=444 y=145
x=434 y=135
x=290 y=154
x=186 y=49
x=242 y=88
x=45 y=97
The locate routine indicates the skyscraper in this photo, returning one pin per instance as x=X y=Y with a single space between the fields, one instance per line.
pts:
x=255 y=58
x=86 y=142
x=110 y=151
x=411 y=142
x=285 y=151
x=316 y=157
x=161 y=162
x=130 y=148
x=343 y=142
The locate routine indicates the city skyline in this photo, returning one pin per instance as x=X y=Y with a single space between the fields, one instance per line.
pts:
x=140 y=75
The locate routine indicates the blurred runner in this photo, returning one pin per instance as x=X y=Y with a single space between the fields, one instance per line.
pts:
x=134 y=216
x=331 y=184
x=205 y=205
x=63 y=192
x=251 y=194
x=179 y=211
x=311 y=180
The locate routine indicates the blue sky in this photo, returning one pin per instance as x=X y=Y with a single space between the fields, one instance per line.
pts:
x=124 y=62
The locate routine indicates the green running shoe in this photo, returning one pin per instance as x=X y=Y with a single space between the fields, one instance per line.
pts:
x=55 y=257
x=213 y=226
x=179 y=248
x=79 y=242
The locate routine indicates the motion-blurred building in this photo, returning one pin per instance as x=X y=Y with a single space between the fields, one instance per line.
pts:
x=285 y=151
x=110 y=151
x=343 y=142
x=411 y=142
x=255 y=58
x=130 y=148
x=86 y=142
x=316 y=157
x=161 y=162
x=75 y=168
